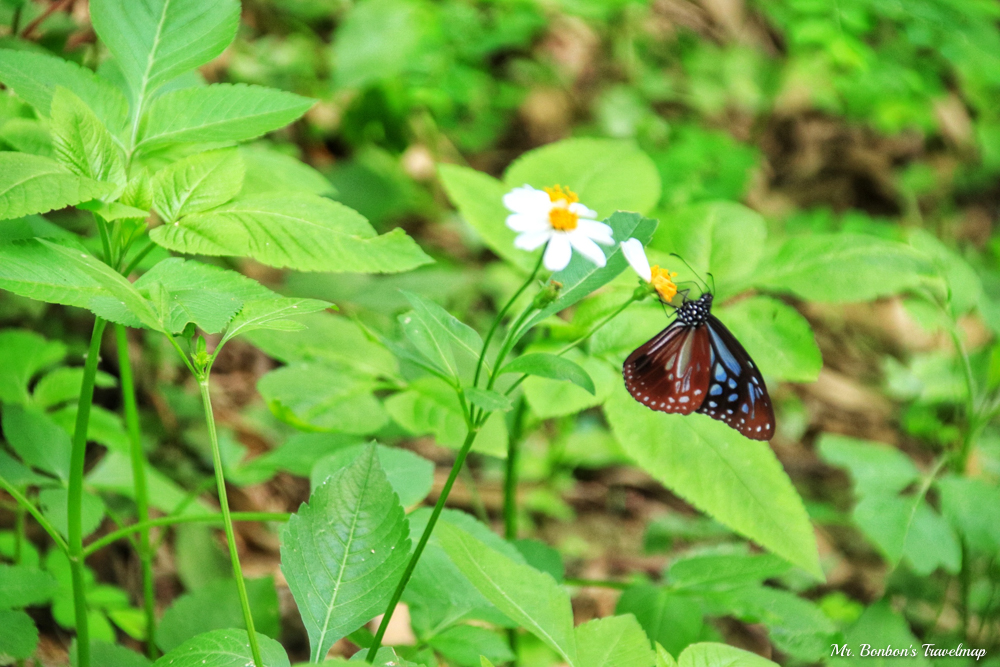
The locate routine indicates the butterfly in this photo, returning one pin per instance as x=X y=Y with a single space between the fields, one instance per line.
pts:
x=697 y=365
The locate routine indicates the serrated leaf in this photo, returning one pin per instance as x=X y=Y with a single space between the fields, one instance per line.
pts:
x=34 y=184
x=39 y=441
x=550 y=366
x=343 y=552
x=224 y=648
x=737 y=481
x=300 y=231
x=487 y=399
x=664 y=659
x=275 y=314
x=197 y=183
x=615 y=641
x=720 y=655
x=22 y=355
x=270 y=171
x=18 y=635
x=529 y=597
x=410 y=475
x=219 y=112
x=82 y=143
x=28 y=135
x=164 y=38
x=674 y=620
x=22 y=586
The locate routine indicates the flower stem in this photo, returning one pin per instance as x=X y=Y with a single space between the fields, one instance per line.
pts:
x=78 y=459
x=470 y=437
x=227 y=519
x=510 y=473
x=140 y=489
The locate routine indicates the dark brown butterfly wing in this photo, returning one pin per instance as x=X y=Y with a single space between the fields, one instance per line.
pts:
x=737 y=394
x=670 y=372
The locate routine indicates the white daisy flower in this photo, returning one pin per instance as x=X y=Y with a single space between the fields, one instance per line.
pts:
x=556 y=216
x=661 y=280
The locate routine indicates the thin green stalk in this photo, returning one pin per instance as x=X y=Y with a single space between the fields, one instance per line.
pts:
x=140 y=488
x=19 y=536
x=46 y=525
x=227 y=520
x=971 y=414
x=102 y=227
x=123 y=533
x=141 y=255
x=508 y=345
x=78 y=459
x=510 y=473
x=415 y=557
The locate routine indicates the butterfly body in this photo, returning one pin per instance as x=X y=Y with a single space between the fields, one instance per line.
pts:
x=697 y=365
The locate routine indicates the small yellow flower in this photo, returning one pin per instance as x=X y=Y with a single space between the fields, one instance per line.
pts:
x=661 y=280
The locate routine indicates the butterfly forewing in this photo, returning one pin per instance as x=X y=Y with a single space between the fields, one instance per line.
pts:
x=737 y=394
x=670 y=372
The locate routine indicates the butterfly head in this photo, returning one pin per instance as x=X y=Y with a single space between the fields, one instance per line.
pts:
x=695 y=312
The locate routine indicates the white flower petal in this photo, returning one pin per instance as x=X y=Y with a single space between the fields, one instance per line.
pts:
x=531 y=240
x=582 y=210
x=636 y=256
x=558 y=254
x=586 y=247
x=597 y=231
x=528 y=222
x=527 y=199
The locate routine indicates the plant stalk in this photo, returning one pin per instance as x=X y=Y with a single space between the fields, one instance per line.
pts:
x=470 y=438
x=23 y=501
x=227 y=519
x=139 y=485
x=510 y=472
x=78 y=460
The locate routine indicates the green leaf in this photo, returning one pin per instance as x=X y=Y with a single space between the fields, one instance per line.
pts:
x=550 y=366
x=34 y=184
x=273 y=313
x=712 y=570
x=219 y=112
x=542 y=557
x=556 y=398
x=973 y=508
x=964 y=286
x=720 y=655
x=460 y=335
x=55 y=506
x=343 y=552
x=36 y=76
x=410 y=475
x=107 y=654
x=295 y=230
x=615 y=641
x=908 y=527
x=318 y=397
x=487 y=399
x=18 y=635
x=874 y=467
x=674 y=620
x=271 y=171
x=37 y=440
x=778 y=338
x=737 y=481
x=157 y=40
x=880 y=627
x=608 y=175
x=468 y=645
x=529 y=597
x=296 y=455
x=664 y=659
x=28 y=136
x=725 y=239
x=22 y=355
x=428 y=338
x=217 y=606
x=843 y=268
x=25 y=586
x=197 y=183
x=82 y=143
x=223 y=648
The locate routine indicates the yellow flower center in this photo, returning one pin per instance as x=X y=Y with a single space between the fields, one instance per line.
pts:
x=562 y=219
x=558 y=192
x=663 y=281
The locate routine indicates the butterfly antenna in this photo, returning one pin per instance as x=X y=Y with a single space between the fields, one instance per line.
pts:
x=713 y=281
x=691 y=269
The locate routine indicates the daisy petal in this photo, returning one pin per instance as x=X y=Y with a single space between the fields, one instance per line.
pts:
x=636 y=256
x=586 y=247
x=582 y=210
x=531 y=240
x=528 y=222
x=558 y=254
x=527 y=199
x=597 y=231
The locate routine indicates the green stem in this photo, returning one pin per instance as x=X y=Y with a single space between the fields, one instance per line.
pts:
x=415 y=557
x=508 y=345
x=227 y=520
x=971 y=416
x=141 y=255
x=102 y=227
x=510 y=473
x=123 y=533
x=139 y=486
x=23 y=501
x=78 y=459
x=19 y=514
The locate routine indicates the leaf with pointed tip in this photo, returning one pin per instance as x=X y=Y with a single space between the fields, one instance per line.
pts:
x=82 y=143
x=450 y=328
x=197 y=183
x=487 y=399
x=709 y=654
x=35 y=184
x=551 y=366
x=224 y=648
x=22 y=355
x=614 y=641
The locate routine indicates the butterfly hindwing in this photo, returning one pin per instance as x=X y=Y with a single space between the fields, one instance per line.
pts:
x=670 y=372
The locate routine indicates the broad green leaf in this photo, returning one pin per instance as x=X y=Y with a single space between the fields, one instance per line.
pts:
x=908 y=527
x=28 y=136
x=529 y=597
x=224 y=648
x=82 y=143
x=35 y=77
x=343 y=552
x=34 y=184
x=874 y=467
x=296 y=455
x=720 y=655
x=18 y=635
x=108 y=654
x=386 y=656
x=556 y=398
x=55 y=506
x=410 y=475
x=469 y=645
x=843 y=268
x=112 y=211
x=542 y=557
x=664 y=659
x=216 y=607
x=113 y=474
x=487 y=399
x=551 y=366
x=297 y=230
x=274 y=313
x=318 y=397
x=460 y=335
x=778 y=338
x=22 y=355
x=105 y=427
x=219 y=112
x=963 y=285
x=713 y=570
x=607 y=174
x=154 y=41
x=725 y=239
x=737 y=481
x=197 y=183
x=271 y=171
x=973 y=508
x=37 y=440
x=429 y=339
x=880 y=627
x=615 y=641
x=671 y=619
x=25 y=586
